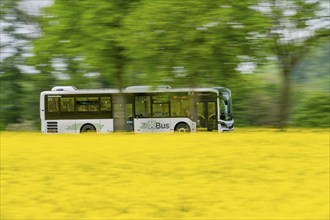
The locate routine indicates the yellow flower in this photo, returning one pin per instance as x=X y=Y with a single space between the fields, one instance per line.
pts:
x=246 y=174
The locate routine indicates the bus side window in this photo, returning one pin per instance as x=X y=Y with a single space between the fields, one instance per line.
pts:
x=52 y=103
x=87 y=104
x=67 y=104
x=105 y=104
x=180 y=106
x=161 y=105
x=142 y=106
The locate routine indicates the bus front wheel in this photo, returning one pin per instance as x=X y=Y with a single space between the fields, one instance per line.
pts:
x=182 y=127
x=88 y=128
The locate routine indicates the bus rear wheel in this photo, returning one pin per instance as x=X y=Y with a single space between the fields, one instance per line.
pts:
x=88 y=128
x=182 y=127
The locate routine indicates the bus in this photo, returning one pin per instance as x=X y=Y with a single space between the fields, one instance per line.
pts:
x=66 y=109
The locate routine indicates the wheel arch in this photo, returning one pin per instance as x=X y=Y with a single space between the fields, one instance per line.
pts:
x=86 y=125
x=182 y=123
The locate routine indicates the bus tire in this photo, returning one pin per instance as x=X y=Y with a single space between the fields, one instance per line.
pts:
x=182 y=127
x=87 y=128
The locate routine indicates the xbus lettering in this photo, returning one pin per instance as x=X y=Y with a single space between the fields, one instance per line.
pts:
x=154 y=125
x=162 y=126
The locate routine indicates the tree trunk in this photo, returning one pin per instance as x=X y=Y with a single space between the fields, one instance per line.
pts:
x=285 y=98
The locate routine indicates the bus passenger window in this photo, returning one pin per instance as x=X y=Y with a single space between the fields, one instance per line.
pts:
x=142 y=106
x=105 y=104
x=160 y=109
x=67 y=104
x=180 y=106
x=161 y=105
x=53 y=104
x=87 y=104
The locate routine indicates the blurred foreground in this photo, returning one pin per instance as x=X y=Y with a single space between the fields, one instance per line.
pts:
x=248 y=174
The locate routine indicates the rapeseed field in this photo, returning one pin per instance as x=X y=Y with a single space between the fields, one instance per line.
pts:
x=246 y=174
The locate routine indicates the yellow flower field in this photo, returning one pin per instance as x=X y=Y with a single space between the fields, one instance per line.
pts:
x=246 y=174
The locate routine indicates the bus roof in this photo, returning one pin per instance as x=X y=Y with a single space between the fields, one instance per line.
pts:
x=134 y=89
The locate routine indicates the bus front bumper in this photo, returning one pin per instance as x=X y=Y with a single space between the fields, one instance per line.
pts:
x=225 y=125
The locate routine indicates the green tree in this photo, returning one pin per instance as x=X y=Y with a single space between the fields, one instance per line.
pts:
x=84 y=35
x=190 y=42
x=17 y=31
x=313 y=111
x=295 y=26
x=11 y=93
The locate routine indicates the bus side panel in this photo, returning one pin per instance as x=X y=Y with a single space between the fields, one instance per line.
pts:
x=101 y=125
x=152 y=125
x=161 y=124
x=175 y=121
x=42 y=108
x=58 y=126
x=81 y=123
x=106 y=125
x=74 y=126
x=67 y=126
x=43 y=126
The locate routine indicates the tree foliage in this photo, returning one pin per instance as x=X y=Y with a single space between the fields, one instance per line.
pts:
x=293 y=31
x=313 y=111
x=191 y=42
x=14 y=45
x=84 y=35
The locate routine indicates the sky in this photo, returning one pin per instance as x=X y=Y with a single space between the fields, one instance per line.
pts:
x=33 y=7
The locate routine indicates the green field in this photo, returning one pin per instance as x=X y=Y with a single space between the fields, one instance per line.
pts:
x=246 y=174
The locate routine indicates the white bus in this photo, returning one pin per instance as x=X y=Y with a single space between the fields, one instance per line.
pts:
x=66 y=109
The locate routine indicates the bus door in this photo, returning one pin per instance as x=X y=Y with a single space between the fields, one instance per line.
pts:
x=122 y=114
x=206 y=113
x=212 y=116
